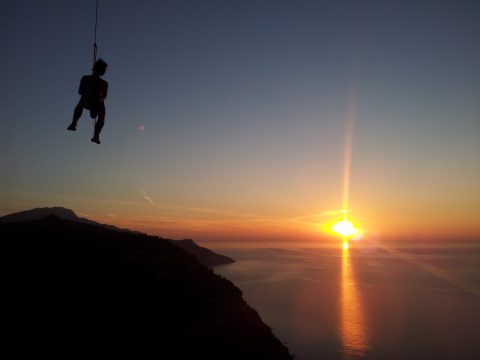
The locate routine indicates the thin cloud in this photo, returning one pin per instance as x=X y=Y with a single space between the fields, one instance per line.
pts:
x=147 y=198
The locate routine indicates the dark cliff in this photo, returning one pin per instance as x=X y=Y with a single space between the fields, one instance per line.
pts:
x=76 y=288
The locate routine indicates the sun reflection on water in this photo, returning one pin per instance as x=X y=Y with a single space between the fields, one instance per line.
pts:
x=352 y=326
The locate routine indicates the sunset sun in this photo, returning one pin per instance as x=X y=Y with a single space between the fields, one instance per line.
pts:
x=344 y=228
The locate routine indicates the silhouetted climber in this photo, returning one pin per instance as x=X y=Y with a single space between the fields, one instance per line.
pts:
x=93 y=90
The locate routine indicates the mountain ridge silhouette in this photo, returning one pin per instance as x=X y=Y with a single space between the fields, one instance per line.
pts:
x=81 y=289
x=204 y=255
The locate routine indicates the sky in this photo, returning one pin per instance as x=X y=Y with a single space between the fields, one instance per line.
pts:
x=242 y=121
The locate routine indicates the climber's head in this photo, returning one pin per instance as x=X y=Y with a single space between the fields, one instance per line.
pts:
x=99 y=67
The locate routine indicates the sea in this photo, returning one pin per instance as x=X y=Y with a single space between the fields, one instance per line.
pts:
x=402 y=302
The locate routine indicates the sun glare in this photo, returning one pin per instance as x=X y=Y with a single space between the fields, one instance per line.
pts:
x=344 y=228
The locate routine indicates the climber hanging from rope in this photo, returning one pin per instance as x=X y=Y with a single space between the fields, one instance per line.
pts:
x=93 y=91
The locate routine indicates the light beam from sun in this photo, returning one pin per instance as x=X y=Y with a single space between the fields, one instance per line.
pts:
x=349 y=128
x=345 y=227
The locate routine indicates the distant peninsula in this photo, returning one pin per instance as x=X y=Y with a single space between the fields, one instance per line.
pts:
x=78 y=288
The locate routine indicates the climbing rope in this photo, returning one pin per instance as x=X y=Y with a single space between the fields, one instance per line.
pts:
x=95 y=54
x=95 y=34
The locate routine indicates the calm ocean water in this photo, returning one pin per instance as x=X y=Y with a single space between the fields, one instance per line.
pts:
x=375 y=303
